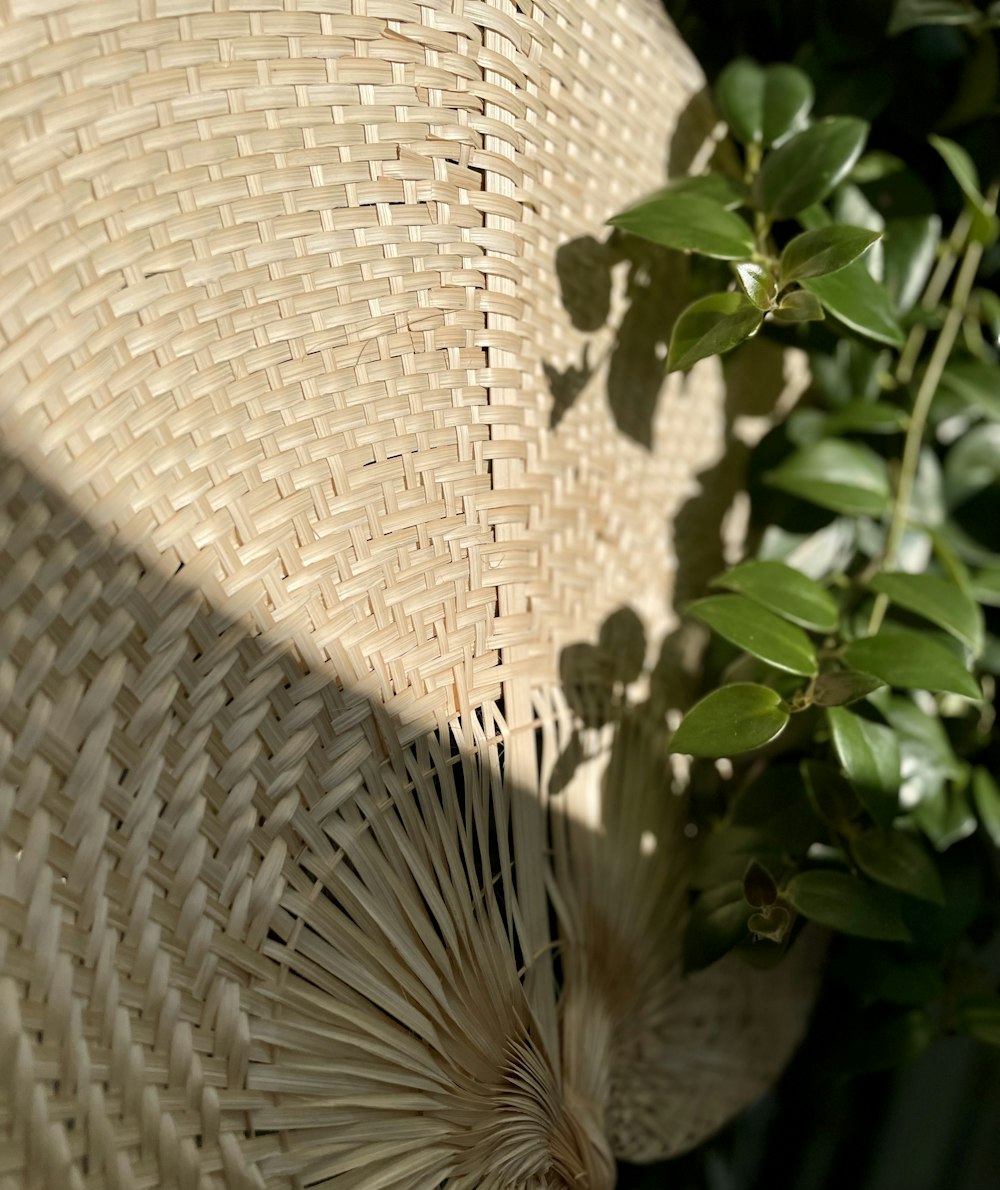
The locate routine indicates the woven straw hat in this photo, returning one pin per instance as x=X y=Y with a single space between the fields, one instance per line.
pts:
x=292 y=539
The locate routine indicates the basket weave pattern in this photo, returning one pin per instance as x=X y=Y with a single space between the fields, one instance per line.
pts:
x=288 y=552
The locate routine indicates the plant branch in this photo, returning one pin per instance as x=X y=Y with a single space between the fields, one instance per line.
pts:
x=925 y=396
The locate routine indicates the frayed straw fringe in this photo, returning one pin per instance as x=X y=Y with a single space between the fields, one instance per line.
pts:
x=289 y=544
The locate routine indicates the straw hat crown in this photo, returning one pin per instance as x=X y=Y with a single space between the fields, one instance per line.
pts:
x=309 y=477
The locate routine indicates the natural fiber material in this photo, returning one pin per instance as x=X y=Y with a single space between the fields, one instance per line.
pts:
x=289 y=545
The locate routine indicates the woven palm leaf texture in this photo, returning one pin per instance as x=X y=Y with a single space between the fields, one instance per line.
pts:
x=296 y=521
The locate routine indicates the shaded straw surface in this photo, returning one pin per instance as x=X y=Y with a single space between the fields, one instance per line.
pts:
x=295 y=516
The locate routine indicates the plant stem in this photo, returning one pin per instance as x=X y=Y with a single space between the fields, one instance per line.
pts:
x=923 y=400
x=932 y=295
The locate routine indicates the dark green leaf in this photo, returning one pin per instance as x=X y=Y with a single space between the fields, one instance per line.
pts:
x=839 y=689
x=972 y=464
x=739 y=92
x=804 y=169
x=760 y=632
x=716 y=188
x=866 y=417
x=901 y=657
x=979 y=1017
x=975 y=382
x=859 y=301
x=758 y=283
x=711 y=326
x=718 y=921
x=832 y=797
x=776 y=804
x=986 y=795
x=870 y=970
x=869 y=753
x=723 y=854
x=945 y=818
x=783 y=590
x=985 y=586
x=788 y=98
x=834 y=474
x=900 y=861
x=816 y=253
x=758 y=886
x=936 y=599
x=963 y=170
x=845 y=903
x=882 y=1039
x=872 y=167
x=908 y=14
x=731 y=720
x=910 y=250
x=690 y=223
x=928 y=761
x=799 y=306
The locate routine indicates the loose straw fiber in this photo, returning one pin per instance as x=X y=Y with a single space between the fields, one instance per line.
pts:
x=290 y=545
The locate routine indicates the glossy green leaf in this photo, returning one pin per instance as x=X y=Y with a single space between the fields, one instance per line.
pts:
x=854 y=297
x=900 y=861
x=908 y=14
x=936 y=599
x=914 y=660
x=690 y=223
x=763 y=105
x=975 y=382
x=731 y=720
x=910 y=245
x=985 y=586
x=972 y=464
x=945 y=817
x=843 y=476
x=850 y=205
x=866 y=417
x=783 y=590
x=875 y=166
x=799 y=306
x=714 y=187
x=845 y=903
x=803 y=170
x=928 y=761
x=711 y=326
x=739 y=92
x=844 y=687
x=963 y=170
x=870 y=755
x=986 y=796
x=979 y=1017
x=758 y=283
x=816 y=253
x=831 y=795
x=788 y=99
x=718 y=920
x=760 y=632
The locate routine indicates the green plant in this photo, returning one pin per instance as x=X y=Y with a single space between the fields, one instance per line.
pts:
x=850 y=683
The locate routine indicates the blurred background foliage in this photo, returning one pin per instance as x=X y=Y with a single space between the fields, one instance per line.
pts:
x=854 y=1109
